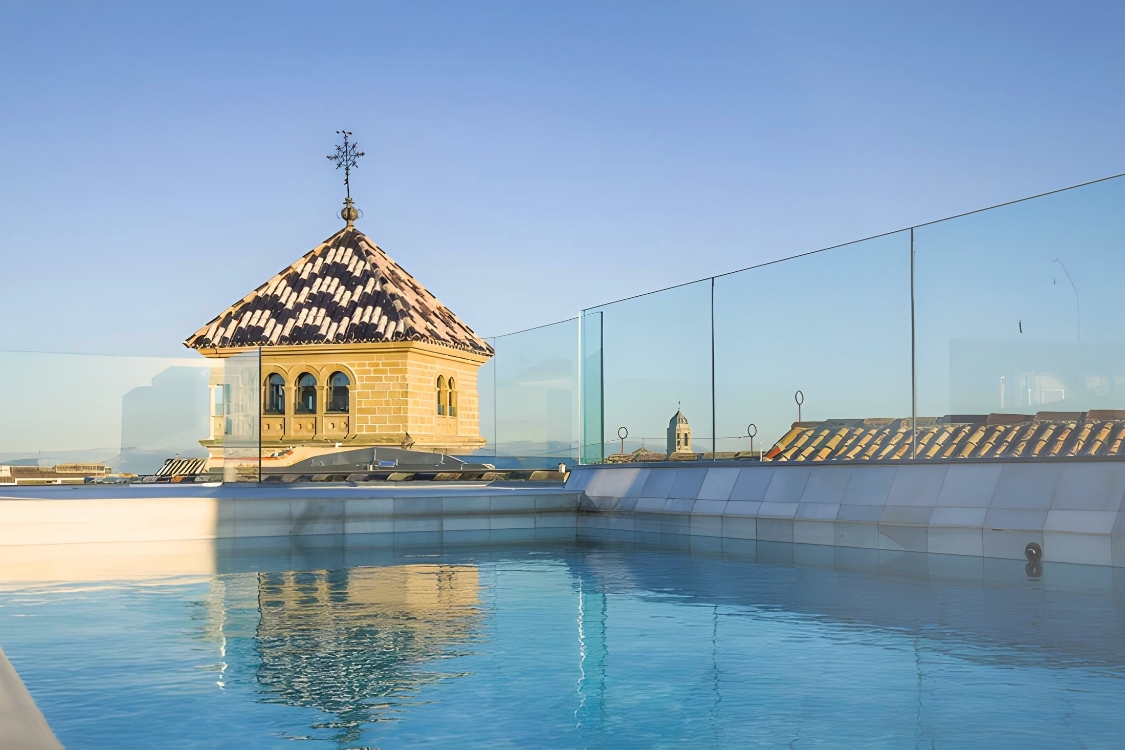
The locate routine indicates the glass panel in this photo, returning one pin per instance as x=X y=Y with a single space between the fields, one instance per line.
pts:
x=593 y=416
x=536 y=381
x=1020 y=332
x=239 y=416
x=86 y=418
x=486 y=395
x=656 y=365
x=829 y=329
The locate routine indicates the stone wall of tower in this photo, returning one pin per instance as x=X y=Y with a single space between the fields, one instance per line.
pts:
x=393 y=394
x=426 y=426
x=397 y=394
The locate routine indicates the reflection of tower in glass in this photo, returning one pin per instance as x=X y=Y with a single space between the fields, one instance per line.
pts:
x=355 y=643
x=164 y=419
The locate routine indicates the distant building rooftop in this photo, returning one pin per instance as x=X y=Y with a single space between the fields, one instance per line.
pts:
x=1044 y=435
x=640 y=455
x=60 y=474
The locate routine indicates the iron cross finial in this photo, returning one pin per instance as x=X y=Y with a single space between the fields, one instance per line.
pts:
x=346 y=157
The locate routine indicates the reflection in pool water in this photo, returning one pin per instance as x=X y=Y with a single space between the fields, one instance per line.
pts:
x=353 y=643
x=578 y=646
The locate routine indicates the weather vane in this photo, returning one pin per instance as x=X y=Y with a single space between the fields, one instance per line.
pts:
x=346 y=157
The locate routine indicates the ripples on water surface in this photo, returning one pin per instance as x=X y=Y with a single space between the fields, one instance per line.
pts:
x=575 y=646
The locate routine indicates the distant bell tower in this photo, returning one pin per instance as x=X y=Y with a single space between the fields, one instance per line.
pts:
x=679 y=434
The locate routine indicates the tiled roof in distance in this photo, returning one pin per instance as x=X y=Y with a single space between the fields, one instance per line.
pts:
x=345 y=291
x=1045 y=435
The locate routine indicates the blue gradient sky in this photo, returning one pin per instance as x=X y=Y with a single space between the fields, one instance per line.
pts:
x=158 y=161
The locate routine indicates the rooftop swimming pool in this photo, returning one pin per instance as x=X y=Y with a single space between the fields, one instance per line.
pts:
x=584 y=645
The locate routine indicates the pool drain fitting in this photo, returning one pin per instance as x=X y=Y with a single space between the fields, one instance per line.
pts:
x=1034 y=553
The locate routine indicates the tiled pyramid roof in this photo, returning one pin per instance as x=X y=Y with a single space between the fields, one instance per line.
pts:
x=346 y=290
x=1046 y=435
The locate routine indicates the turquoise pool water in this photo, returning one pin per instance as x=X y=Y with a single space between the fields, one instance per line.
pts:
x=594 y=645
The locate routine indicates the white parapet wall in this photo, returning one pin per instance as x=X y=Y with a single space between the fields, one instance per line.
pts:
x=1072 y=509
x=37 y=516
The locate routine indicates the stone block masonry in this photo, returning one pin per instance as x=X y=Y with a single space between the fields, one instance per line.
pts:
x=1072 y=509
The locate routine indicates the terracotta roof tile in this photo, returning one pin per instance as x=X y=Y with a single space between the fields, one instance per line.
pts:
x=1047 y=434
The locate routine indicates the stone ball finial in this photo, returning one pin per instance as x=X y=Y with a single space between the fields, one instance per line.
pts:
x=349 y=212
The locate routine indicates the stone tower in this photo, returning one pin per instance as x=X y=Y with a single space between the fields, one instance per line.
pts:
x=355 y=352
x=679 y=434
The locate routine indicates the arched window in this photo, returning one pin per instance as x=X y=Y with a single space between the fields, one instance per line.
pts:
x=451 y=397
x=440 y=396
x=306 y=394
x=275 y=394
x=338 y=392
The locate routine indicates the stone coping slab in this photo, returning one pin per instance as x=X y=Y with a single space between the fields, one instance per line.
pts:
x=21 y=723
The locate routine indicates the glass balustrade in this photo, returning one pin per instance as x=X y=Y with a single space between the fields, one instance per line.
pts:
x=486 y=397
x=592 y=388
x=993 y=335
x=1020 y=335
x=655 y=375
x=536 y=397
x=78 y=418
x=813 y=353
x=238 y=406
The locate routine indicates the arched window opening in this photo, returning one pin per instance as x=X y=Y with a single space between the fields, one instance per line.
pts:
x=306 y=394
x=441 y=396
x=275 y=394
x=451 y=398
x=338 y=392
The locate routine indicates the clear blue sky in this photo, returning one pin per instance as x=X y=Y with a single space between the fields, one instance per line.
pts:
x=524 y=160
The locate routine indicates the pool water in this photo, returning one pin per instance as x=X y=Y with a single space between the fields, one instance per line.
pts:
x=575 y=646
